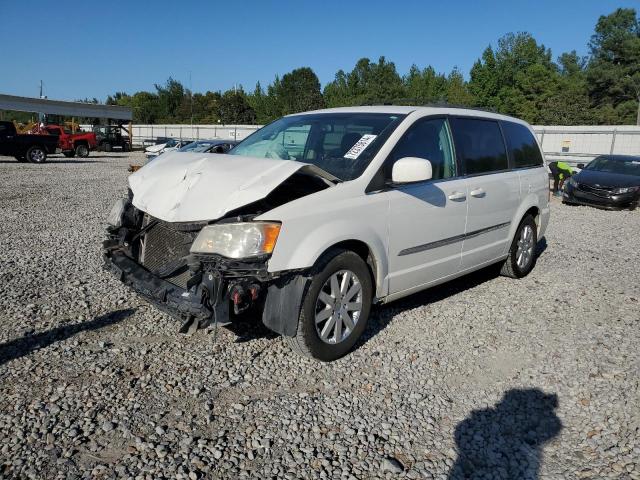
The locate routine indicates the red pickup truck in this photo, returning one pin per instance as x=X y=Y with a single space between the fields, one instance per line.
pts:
x=73 y=144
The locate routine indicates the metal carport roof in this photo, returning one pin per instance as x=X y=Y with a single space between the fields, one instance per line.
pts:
x=69 y=109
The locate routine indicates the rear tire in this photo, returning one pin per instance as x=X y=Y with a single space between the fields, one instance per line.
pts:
x=82 y=150
x=36 y=154
x=330 y=313
x=522 y=254
x=106 y=147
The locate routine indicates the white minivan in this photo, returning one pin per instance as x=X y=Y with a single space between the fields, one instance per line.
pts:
x=318 y=215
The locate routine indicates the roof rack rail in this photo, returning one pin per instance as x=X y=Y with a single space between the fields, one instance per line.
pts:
x=414 y=102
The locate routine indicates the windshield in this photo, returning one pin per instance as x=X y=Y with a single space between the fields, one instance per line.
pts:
x=342 y=144
x=621 y=165
x=197 y=147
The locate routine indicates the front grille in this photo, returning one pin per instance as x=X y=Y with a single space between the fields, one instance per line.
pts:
x=163 y=248
x=600 y=191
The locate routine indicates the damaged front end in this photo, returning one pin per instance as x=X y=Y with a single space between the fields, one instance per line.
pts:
x=203 y=271
x=153 y=257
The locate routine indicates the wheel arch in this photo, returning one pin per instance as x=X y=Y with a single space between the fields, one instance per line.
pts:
x=301 y=248
x=529 y=207
x=363 y=250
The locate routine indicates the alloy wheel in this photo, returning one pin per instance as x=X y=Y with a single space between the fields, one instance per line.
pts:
x=524 y=253
x=338 y=307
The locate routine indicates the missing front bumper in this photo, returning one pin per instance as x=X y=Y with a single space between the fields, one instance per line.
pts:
x=204 y=303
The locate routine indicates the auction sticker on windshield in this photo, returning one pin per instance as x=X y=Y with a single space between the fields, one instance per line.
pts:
x=360 y=146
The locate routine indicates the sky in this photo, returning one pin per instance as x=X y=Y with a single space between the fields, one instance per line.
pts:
x=93 y=49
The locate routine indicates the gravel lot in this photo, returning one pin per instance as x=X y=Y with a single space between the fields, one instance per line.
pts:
x=485 y=377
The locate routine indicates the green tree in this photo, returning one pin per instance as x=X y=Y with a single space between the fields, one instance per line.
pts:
x=367 y=83
x=613 y=73
x=235 y=109
x=145 y=107
x=519 y=78
x=425 y=86
x=299 y=91
x=457 y=90
x=170 y=98
x=485 y=83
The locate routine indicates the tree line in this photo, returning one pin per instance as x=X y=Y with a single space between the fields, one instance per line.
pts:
x=518 y=76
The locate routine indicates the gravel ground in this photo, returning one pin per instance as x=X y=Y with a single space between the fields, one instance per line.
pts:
x=485 y=377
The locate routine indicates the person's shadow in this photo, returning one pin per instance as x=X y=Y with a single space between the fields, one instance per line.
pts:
x=505 y=442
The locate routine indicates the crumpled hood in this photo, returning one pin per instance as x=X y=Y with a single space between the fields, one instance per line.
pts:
x=192 y=187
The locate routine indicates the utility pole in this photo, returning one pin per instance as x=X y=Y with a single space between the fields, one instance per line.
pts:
x=40 y=114
x=191 y=102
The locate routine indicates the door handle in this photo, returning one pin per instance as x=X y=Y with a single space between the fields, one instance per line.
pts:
x=478 y=193
x=457 y=196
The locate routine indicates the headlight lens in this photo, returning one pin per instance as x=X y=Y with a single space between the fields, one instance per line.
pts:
x=117 y=212
x=572 y=182
x=618 y=191
x=237 y=240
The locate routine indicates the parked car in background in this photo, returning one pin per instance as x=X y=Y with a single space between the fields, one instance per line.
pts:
x=109 y=136
x=171 y=145
x=319 y=215
x=73 y=144
x=209 y=146
x=608 y=181
x=26 y=147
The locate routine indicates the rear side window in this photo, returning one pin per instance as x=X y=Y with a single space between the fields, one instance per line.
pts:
x=480 y=145
x=523 y=147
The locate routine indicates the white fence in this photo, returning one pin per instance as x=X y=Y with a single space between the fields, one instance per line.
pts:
x=580 y=144
x=570 y=144
x=148 y=133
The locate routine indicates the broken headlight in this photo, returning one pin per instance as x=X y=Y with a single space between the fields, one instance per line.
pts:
x=117 y=212
x=237 y=240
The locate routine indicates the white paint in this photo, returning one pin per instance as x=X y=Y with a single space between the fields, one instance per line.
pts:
x=411 y=169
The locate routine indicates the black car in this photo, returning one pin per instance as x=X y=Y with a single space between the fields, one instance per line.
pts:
x=608 y=181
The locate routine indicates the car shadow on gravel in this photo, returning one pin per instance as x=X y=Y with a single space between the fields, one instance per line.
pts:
x=381 y=315
x=505 y=441
x=20 y=347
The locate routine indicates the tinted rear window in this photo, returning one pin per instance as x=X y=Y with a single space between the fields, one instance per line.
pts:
x=523 y=147
x=480 y=145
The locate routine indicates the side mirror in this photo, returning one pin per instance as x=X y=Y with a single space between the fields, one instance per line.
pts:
x=411 y=169
x=580 y=166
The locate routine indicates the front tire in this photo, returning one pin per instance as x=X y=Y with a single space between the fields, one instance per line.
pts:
x=522 y=254
x=335 y=308
x=36 y=154
x=69 y=154
x=82 y=151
